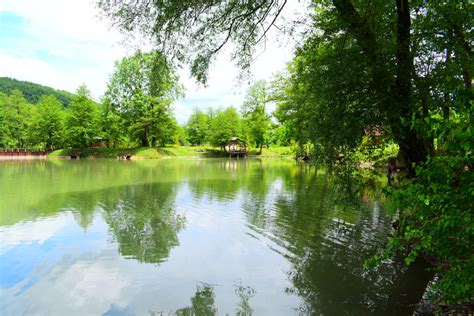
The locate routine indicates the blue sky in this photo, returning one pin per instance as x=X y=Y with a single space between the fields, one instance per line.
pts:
x=63 y=44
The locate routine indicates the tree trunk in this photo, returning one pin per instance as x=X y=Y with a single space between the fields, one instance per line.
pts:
x=446 y=95
x=144 y=139
x=412 y=146
x=465 y=57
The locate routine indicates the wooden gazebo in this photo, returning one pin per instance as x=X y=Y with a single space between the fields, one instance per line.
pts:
x=236 y=147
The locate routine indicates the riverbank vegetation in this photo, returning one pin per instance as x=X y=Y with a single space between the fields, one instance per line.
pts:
x=136 y=112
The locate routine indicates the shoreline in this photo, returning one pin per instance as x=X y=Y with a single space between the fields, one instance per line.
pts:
x=14 y=158
x=171 y=157
x=187 y=152
x=21 y=158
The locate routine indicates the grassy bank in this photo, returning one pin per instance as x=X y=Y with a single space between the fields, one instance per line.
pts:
x=169 y=151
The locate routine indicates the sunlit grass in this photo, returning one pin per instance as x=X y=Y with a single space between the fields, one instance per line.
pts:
x=169 y=151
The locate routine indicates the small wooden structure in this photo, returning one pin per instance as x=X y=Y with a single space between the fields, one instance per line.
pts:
x=236 y=147
x=75 y=155
x=124 y=156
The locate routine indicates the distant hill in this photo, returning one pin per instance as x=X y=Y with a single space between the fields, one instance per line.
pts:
x=33 y=91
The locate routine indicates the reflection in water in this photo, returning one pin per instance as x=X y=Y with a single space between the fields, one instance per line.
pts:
x=144 y=223
x=202 y=303
x=326 y=241
x=140 y=218
x=245 y=293
x=297 y=237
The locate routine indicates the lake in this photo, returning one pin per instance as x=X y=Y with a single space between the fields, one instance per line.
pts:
x=190 y=237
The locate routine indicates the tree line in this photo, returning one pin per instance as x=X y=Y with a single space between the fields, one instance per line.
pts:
x=48 y=124
x=33 y=91
x=135 y=111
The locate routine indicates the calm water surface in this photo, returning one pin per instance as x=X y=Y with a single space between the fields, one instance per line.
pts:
x=202 y=237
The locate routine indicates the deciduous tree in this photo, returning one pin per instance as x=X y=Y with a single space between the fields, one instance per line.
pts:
x=141 y=91
x=255 y=118
x=82 y=119
x=47 y=126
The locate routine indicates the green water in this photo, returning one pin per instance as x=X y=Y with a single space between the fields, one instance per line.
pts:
x=187 y=237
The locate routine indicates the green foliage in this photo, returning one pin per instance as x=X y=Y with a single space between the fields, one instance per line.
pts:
x=112 y=124
x=197 y=127
x=281 y=134
x=406 y=69
x=15 y=116
x=225 y=125
x=196 y=31
x=140 y=92
x=180 y=137
x=47 y=126
x=255 y=119
x=82 y=120
x=33 y=91
x=376 y=153
x=202 y=303
x=436 y=213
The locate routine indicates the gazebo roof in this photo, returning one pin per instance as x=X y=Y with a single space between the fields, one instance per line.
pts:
x=235 y=139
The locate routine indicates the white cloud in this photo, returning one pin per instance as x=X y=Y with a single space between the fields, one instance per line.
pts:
x=30 y=69
x=65 y=44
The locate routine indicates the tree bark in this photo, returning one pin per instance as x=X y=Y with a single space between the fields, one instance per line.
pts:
x=464 y=56
x=412 y=146
x=446 y=95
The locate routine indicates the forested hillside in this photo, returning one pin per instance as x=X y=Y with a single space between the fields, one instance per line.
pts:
x=33 y=91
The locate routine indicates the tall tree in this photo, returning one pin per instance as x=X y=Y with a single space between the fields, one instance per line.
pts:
x=256 y=119
x=225 y=125
x=197 y=127
x=47 y=127
x=112 y=124
x=82 y=120
x=141 y=91
x=15 y=120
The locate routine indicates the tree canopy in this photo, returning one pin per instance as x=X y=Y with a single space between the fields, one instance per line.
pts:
x=195 y=31
x=224 y=126
x=47 y=126
x=141 y=91
x=82 y=120
x=256 y=119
